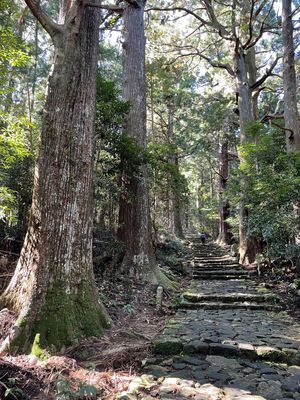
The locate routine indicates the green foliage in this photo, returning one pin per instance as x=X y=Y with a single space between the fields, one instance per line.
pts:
x=295 y=284
x=115 y=150
x=110 y=112
x=13 y=51
x=273 y=187
x=129 y=309
x=66 y=392
x=14 y=138
x=14 y=150
x=12 y=391
x=8 y=206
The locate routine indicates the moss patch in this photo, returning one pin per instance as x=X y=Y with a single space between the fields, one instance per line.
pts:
x=37 y=351
x=62 y=320
x=167 y=346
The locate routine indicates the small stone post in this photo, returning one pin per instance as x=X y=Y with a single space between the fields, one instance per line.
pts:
x=159 y=294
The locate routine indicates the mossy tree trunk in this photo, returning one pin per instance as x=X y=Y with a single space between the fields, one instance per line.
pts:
x=53 y=289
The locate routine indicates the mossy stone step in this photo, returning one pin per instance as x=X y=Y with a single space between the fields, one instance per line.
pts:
x=231 y=297
x=174 y=346
x=247 y=305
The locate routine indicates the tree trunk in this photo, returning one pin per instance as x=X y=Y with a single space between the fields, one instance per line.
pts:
x=245 y=106
x=225 y=235
x=53 y=288
x=134 y=214
x=175 y=201
x=291 y=116
x=176 y=205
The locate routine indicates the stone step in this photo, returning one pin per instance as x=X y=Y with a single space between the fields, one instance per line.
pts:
x=208 y=250
x=214 y=261
x=228 y=306
x=209 y=257
x=220 y=277
x=210 y=253
x=215 y=271
x=173 y=346
x=209 y=267
x=220 y=271
x=221 y=274
x=231 y=297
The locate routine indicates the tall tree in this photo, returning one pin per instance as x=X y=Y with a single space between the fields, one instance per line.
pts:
x=53 y=289
x=291 y=116
x=134 y=215
x=225 y=234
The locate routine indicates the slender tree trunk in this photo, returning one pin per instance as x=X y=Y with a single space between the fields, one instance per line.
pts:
x=53 y=288
x=176 y=204
x=225 y=235
x=175 y=217
x=291 y=116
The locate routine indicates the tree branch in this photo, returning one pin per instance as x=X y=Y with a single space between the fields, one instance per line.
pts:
x=268 y=73
x=214 y=21
x=227 y=67
x=249 y=43
x=47 y=23
x=98 y=4
x=133 y=3
x=250 y=24
x=205 y=22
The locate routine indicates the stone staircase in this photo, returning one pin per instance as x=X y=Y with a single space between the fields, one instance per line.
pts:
x=211 y=264
x=230 y=333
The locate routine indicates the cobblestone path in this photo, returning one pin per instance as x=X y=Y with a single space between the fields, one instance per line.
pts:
x=229 y=340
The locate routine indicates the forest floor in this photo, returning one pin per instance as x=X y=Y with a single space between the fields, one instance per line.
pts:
x=98 y=367
x=106 y=364
x=101 y=368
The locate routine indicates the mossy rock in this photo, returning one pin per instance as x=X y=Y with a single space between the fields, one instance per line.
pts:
x=167 y=346
x=270 y=353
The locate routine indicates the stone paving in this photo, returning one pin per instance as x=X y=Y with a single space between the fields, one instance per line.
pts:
x=229 y=340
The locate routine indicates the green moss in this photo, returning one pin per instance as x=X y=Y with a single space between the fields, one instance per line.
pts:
x=167 y=346
x=37 y=351
x=62 y=320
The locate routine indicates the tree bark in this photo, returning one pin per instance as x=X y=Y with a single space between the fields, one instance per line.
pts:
x=53 y=288
x=134 y=213
x=175 y=201
x=245 y=106
x=225 y=235
x=176 y=204
x=291 y=116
